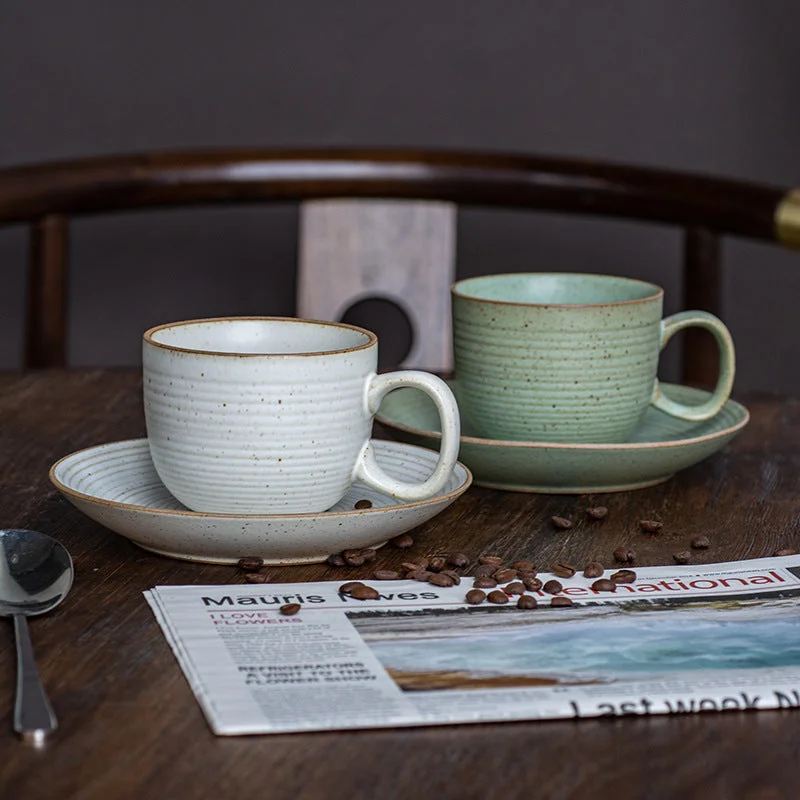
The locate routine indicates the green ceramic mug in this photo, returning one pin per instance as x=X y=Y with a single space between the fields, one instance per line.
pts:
x=565 y=357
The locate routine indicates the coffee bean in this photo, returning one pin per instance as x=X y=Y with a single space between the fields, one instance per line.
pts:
x=494 y=561
x=255 y=577
x=440 y=579
x=532 y=584
x=604 y=585
x=353 y=558
x=597 y=512
x=421 y=562
x=402 y=541
x=475 y=597
x=504 y=575
x=623 y=576
x=650 y=525
x=594 y=569
x=419 y=575
x=624 y=555
x=335 y=560
x=562 y=601
x=365 y=593
x=515 y=587
x=359 y=504
x=452 y=574
x=250 y=563
x=290 y=609
x=562 y=570
x=368 y=554
x=701 y=542
x=527 y=601
x=347 y=588
x=497 y=597
x=484 y=583
x=385 y=575
x=457 y=559
x=552 y=587
x=785 y=551
x=684 y=557
x=484 y=571
x=410 y=566
x=524 y=565
x=562 y=523
x=436 y=564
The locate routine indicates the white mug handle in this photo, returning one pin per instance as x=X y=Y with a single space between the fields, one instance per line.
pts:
x=727 y=366
x=367 y=468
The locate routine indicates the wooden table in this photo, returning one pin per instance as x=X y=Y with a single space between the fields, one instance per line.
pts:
x=130 y=726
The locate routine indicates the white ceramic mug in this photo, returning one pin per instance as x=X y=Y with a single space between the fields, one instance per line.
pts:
x=262 y=415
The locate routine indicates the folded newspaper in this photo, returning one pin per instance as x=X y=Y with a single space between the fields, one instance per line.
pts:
x=714 y=637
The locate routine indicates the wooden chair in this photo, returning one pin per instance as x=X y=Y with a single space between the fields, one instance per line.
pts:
x=382 y=222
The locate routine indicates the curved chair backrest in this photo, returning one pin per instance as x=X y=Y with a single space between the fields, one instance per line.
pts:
x=394 y=248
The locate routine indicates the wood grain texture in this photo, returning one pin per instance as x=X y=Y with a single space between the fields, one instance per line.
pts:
x=404 y=252
x=131 y=728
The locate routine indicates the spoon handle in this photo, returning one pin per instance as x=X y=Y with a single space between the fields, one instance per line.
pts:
x=33 y=715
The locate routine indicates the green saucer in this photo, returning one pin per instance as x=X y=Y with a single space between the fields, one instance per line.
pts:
x=660 y=447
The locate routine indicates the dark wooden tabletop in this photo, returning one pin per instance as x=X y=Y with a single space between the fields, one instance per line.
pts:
x=130 y=725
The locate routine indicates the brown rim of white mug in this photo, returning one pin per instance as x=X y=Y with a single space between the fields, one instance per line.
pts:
x=372 y=339
x=658 y=293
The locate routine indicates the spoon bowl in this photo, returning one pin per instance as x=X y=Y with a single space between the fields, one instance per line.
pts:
x=36 y=574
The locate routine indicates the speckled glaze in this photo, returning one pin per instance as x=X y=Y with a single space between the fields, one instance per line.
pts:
x=567 y=357
x=116 y=485
x=263 y=415
x=660 y=446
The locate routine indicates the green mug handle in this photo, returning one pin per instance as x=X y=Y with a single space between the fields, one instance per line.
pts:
x=727 y=366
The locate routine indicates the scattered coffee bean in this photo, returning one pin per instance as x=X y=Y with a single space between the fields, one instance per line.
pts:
x=440 y=579
x=411 y=566
x=497 y=596
x=250 y=563
x=650 y=525
x=532 y=584
x=419 y=575
x=597 y=512
x=624 y=555
x=562 y=570
x=335 y=560
x=623 y=576
x=484 y=583
x=421 y=562
x=484 y=571
x=785 y=551
x=561 y=601
x=255 y=577
x=359 y=504
x=552 y=587
x=524 y=565
x=457 y=560
x=493 y=561
x=594 y=569
x=527 y=601
x=604 y=585
x=402 y=541
x=475 y=597
x=436 y=564
x=290 y=609
x=684 y=557
x=353 y=558
x=368 y=554
x=385 y=575
x=515 y=587
x=365 y=593
x=701 y=542
x=562 y=523
x=347 y=588
x=452 y=574
x=504 y=575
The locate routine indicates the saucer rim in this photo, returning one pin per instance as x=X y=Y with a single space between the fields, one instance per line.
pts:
x=452 y=495
x=579 y=446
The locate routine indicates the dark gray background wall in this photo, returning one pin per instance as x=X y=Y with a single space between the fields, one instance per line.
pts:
x=708 y=85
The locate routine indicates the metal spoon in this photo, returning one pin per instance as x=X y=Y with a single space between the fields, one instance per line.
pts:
x=35 y=575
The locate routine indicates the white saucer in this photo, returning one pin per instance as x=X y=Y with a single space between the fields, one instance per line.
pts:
x=116 y=485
